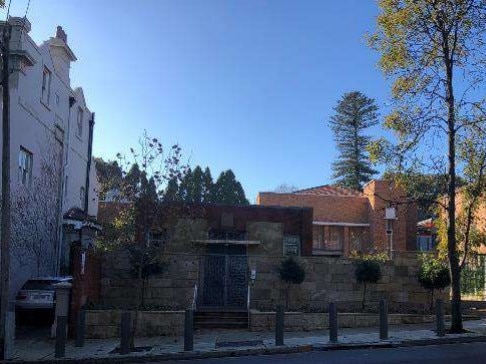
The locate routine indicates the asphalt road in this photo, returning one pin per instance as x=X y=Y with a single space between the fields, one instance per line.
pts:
x=444 y=354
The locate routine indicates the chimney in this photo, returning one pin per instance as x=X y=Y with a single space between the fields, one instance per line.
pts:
x=61 y=34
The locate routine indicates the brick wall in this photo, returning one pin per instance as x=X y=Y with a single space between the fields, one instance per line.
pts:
x=86 y=285
x=369 y=208
x=349 y=209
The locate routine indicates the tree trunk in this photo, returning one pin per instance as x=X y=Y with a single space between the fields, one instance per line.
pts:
x=456 y=316
x=364 y=297
x=287 y=297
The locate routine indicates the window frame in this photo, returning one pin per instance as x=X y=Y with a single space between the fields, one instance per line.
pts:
x=46 y=85
x=322 y=242
x=25 y=167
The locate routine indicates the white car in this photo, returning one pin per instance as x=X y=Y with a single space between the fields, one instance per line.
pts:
x=38 y=293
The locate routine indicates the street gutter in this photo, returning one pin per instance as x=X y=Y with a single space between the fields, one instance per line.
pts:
x=255 y=351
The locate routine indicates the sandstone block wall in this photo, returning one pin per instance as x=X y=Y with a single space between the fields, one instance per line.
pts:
x=104 y=324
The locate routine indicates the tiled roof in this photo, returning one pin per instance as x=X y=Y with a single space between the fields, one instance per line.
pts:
x=328 y=190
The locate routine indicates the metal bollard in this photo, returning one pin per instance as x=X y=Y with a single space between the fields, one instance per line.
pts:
x=439 y=318
x=125 y=331
x=279 y=325
x=189 y=330
x=61 y=336
x=383 y=319
x=333 y=323
x=10 y=332
x=80 y=328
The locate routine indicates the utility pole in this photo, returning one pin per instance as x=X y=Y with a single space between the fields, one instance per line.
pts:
x=5 y=207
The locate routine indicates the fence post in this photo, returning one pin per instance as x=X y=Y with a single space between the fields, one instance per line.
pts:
x=383 y=319
x=333 y=323
x=80 y=328
x=279 y=325
x=439 y=317
x=62 y=309
x=189 y=330
x=125 y=331
x=61 y=335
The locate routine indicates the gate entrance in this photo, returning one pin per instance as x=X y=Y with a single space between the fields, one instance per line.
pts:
x=225 y=276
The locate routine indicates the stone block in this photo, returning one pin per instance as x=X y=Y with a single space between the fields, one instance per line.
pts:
x=346 y=320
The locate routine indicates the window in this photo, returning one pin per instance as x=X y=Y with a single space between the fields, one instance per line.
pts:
x=425 y=242
x=359 y=239
x=25 y=167
x=291 y=245
x=81 y=195
x=46 y=86
x=79 y=129
x=328 y=238
x=57 y=99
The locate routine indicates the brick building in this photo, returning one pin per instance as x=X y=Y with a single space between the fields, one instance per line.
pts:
x=347 y=220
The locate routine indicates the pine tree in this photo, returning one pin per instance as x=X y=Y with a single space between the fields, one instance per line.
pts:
x=171 y=193
x=355 y=113
x=227 y=190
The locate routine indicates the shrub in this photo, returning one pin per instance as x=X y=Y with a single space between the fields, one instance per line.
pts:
x=367 y=270
x=291 y=272
x=433 y=275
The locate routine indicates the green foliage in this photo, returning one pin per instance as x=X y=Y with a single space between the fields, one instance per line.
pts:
x=110 y=176
x=227 y=190
x=354 y=114
x=291 y=271
x=432 y=50
x=433 y=273
x=367 y=271
x=197 y=186
x=146 y=260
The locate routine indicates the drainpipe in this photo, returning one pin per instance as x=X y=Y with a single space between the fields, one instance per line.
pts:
x=88 y=170
x=88 y=165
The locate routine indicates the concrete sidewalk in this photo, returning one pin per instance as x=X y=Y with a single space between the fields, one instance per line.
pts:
x=219 y=343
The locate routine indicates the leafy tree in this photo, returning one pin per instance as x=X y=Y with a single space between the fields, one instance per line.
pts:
x=355 y=113
x=285 y=188
x=196 y=186
x=110 y=176
x=227 y=190
x=291 y=272
x=424 y=189
x=367 y=269
x=171 y=193
x=433 y=51
x=147 y=172
x=433 y=275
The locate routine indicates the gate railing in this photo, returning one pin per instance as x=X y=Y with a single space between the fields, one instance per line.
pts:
x=194 y=298
x=248 y=300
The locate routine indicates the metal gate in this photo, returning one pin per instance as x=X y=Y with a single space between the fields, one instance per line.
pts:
x=473 y=278
x=224 y=280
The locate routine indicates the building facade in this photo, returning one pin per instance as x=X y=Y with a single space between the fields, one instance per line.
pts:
x=52 y=179
x=346 y=220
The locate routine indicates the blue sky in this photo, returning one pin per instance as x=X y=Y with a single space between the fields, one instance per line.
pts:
x=247 y=85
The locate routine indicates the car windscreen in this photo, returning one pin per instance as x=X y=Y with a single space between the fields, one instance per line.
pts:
x=42 y=285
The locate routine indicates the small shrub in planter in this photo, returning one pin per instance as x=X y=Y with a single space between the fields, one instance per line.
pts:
x=367 y=269
x=433 y=275
x=291 y=271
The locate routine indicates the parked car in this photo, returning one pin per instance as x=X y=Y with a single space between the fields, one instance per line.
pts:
x=38 y=293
